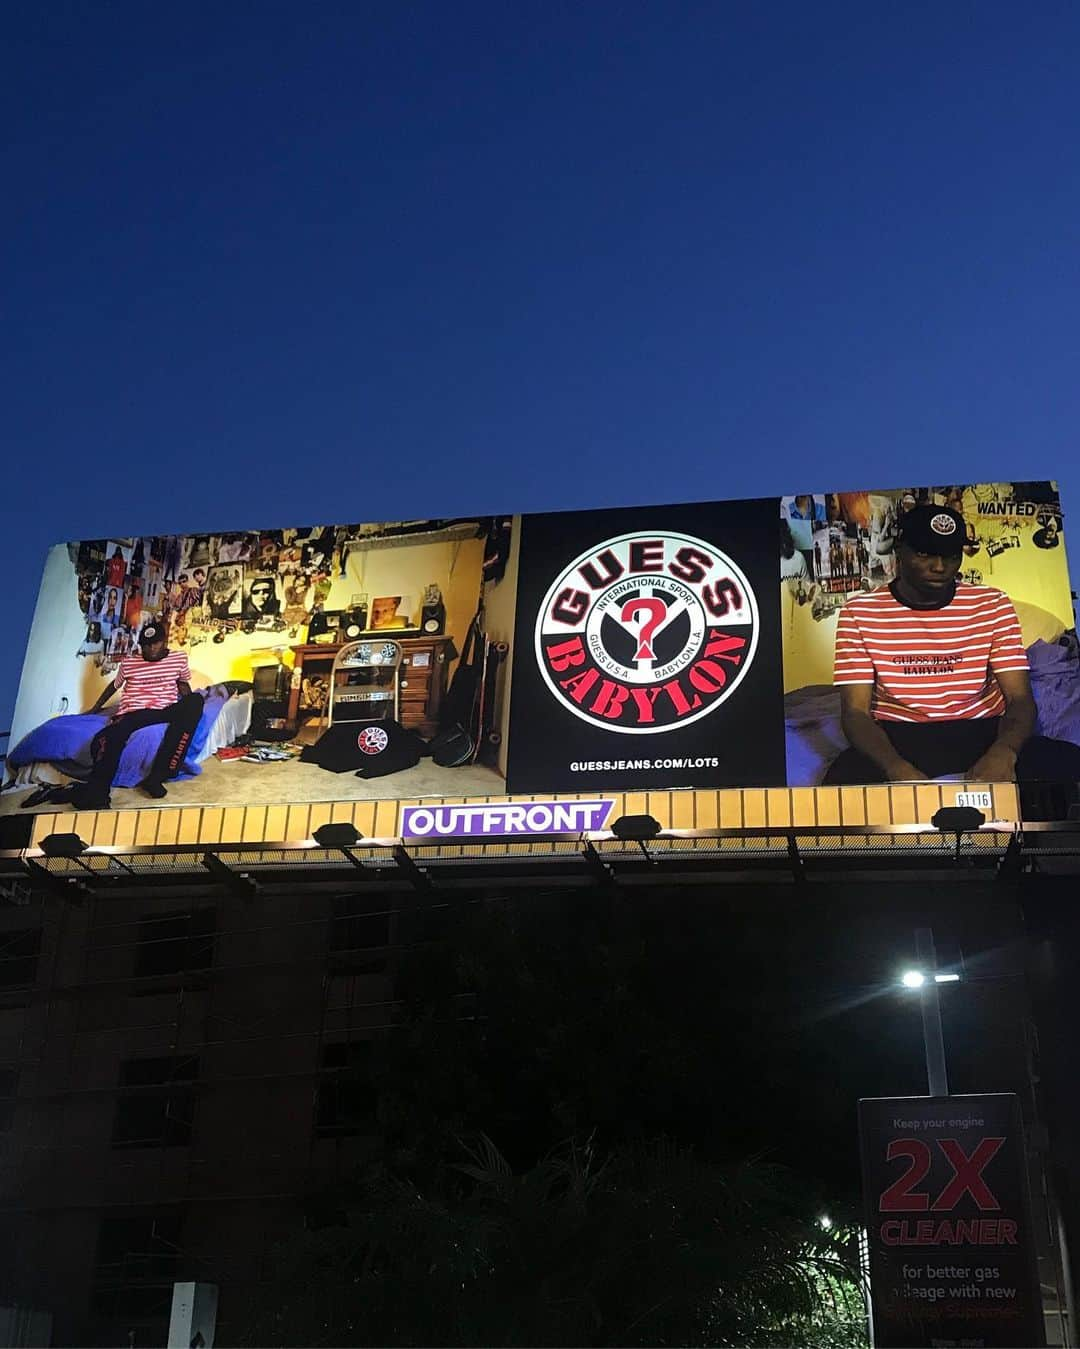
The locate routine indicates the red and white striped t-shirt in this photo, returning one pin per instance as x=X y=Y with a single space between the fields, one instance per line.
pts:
x=930 y=664
x=151 y=683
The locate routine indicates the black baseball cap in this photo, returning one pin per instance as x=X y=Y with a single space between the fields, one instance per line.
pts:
x=934 y=529
x=153 y=632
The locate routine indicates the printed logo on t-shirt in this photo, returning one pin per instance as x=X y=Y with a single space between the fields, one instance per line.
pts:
x=373 y=740
x=930 y=662
x=943 y=524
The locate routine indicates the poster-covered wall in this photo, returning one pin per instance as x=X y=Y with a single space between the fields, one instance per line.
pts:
x=685 y=646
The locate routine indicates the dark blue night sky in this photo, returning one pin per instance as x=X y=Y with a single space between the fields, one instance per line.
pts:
x=271 y=264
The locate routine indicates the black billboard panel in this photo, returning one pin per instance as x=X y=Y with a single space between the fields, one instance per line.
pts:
x=648 y=650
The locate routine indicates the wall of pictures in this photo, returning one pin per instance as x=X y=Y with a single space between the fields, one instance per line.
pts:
x=233 y=601
x=836 y=544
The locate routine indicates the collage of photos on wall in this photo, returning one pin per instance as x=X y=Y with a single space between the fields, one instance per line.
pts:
x=937 y=673
x=237 y=668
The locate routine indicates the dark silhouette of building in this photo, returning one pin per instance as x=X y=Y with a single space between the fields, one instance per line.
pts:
x=184 y=1028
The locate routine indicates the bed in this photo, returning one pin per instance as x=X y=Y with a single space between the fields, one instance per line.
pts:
x=59 y=749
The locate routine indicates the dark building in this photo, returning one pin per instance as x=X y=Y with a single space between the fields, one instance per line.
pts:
x=185 y=1029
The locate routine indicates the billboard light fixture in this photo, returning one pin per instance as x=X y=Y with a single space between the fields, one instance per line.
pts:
x=70 y=846
x=342 y=835
x=635 y=828
x=958 y=820
x=639 y=829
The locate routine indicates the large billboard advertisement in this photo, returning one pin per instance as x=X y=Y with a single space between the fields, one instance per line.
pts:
x=817 y=638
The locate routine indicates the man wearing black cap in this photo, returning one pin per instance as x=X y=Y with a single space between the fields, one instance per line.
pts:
x=155 y=688
x=933 y=674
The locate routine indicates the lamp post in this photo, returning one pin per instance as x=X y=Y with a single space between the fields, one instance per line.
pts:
x=926 y=979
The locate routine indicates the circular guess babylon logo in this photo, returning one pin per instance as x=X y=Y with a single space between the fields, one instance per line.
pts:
x=647 y=632
x=372 y=740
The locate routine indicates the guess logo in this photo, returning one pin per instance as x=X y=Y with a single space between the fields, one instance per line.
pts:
x=645 y=632
x=372 y=740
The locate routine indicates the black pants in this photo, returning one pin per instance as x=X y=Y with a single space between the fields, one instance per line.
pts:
x=945 y=748
x=180 y=719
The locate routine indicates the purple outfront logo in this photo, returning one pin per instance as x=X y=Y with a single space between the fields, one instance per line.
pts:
x=504 y=817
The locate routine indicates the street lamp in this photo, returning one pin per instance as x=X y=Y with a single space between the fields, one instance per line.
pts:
x=916 y=978
x=924 y=979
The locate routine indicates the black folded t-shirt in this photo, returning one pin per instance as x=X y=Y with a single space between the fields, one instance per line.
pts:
x=370 y=749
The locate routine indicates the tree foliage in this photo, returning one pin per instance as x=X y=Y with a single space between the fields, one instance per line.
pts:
x=647 y=1245
x=612 y=1022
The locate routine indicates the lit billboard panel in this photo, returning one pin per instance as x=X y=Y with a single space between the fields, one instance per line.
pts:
x=913 y=633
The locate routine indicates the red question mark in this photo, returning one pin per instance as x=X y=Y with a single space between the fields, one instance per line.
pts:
x=657 y=611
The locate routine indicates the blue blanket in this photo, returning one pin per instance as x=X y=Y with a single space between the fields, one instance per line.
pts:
x=65 y=742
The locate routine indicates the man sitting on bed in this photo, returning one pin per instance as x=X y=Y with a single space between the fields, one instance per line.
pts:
x=933 y=674
x=154 y=687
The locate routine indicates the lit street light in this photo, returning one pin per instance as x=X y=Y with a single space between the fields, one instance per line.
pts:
x=916 y=978
x=925 y=979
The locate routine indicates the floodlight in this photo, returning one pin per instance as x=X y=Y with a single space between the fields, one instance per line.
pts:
x=342 y=835
x=958 y=819
x=635 y=828
x=70 y=846
x=913 y=978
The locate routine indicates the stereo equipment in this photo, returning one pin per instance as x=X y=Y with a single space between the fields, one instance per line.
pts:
x=433 y=612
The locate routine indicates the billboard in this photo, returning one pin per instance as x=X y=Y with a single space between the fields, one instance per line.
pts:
x=814 y=638
x=948 y=1218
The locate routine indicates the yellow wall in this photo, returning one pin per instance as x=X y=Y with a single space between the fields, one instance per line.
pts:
x=404 y=570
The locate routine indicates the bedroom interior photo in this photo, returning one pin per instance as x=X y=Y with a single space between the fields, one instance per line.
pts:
x=286 y=632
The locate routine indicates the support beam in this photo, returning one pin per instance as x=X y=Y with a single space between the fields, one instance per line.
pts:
x=418 y=878
x=236 y=882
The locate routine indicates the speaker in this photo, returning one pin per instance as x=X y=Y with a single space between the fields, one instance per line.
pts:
x=355 y=622
x=433 y=618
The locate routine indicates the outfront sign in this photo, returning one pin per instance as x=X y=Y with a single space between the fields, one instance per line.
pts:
x=492 y=819
x=952 y=1250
